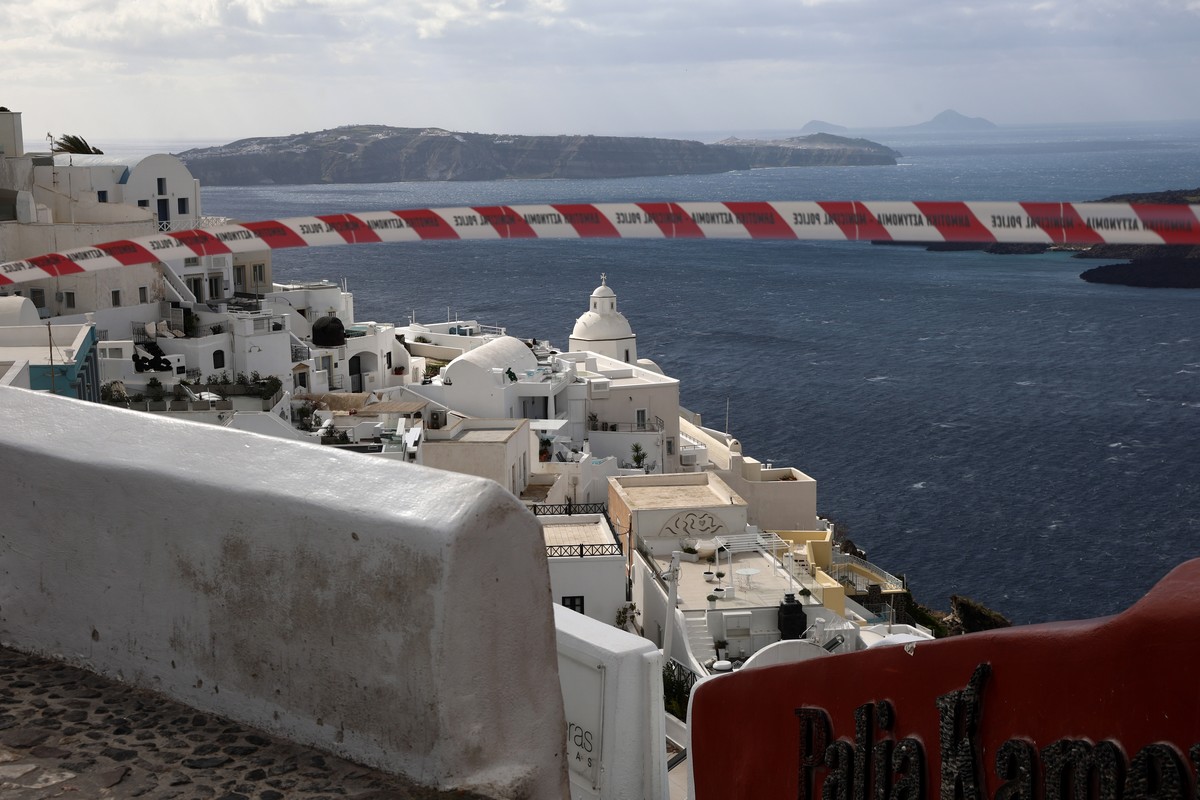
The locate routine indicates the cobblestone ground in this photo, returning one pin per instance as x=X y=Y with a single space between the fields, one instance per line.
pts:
x=65 y=732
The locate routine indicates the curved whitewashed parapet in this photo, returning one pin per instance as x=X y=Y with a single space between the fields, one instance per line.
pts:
x=392 y=614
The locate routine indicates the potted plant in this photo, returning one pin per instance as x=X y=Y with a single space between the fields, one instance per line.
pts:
x=638 y=453
x=688 y=551
x=721 y=646
x=720 y=575
x=719 y=592
x=709 y=576
x=712 y=601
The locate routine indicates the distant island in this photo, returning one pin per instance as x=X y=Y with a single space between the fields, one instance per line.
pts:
x=382 y=154
x=949 y=121
x=821 y=126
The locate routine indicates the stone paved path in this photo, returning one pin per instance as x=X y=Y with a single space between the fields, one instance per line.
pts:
x=65 y=732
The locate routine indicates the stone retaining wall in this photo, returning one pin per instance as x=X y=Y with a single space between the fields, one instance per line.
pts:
x=398 y=616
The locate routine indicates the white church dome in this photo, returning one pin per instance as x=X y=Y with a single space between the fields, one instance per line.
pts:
x=602 y=322
x=603 y=329
x=593 y=327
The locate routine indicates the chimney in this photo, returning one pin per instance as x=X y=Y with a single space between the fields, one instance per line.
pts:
x=12 y=141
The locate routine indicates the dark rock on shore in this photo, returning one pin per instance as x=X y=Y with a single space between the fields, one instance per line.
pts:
x=995 y=248
x=1149 y=273
x=1149 y=266
x=1167 y=197
x=382 y=154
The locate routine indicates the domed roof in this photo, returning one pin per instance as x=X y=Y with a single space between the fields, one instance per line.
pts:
x=16 y=310
x=602 y=321
x=328 y=332
x=595 y=327
x=503 y=352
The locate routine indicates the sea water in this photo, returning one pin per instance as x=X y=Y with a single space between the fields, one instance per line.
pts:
x=989 y=426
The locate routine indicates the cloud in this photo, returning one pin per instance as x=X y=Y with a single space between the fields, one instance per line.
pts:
x=249 y=67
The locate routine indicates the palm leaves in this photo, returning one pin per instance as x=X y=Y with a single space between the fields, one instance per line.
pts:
x=77 y=145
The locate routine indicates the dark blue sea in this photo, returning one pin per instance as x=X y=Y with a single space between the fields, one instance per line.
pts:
x=990 y=426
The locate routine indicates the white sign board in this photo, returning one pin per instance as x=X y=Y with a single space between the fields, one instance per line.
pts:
x=582 y=682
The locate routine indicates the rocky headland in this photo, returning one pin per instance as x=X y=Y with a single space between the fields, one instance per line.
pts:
x=1148 y=266
x=383 y=154
x=1160 y=266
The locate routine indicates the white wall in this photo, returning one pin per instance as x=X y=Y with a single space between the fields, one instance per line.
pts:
x=613 y=694
x=346 y=603
x=600 y=579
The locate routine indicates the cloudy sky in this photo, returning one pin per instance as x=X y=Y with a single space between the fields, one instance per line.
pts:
x=219 y=70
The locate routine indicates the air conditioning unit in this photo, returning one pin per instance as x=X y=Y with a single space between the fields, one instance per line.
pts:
x=437 y=419
x=58 y=297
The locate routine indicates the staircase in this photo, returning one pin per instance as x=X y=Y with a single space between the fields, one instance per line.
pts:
x=699 y=640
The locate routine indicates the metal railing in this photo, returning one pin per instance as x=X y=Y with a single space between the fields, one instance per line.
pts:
x=844 y=568
x=168 y=225
x=633 y=427
x=800 y=573
x=612 y=548
x=580 y=550
x=557 y=509
x=682 y=672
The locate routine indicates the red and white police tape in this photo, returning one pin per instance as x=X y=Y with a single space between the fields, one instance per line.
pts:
x=889 y=221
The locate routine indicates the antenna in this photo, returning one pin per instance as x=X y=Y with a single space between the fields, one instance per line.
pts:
x=50 y=340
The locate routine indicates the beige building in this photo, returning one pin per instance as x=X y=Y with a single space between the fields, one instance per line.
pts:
x=488 y=448
x=664 y=510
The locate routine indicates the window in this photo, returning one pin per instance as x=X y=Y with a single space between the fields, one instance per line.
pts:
x=260 y=273
x=218 y=359
x=214 y=287
x=69 y=299
x=102 y=196
x=573 y=602
x=626 y=355
x=239 y=276
x=183 y=205
x=38 y=296
x=670 y=445
x=143 y=294
x=162 y=185
x=143 y=203
x=196 y=287
x=116 y=298
x=192 y=261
